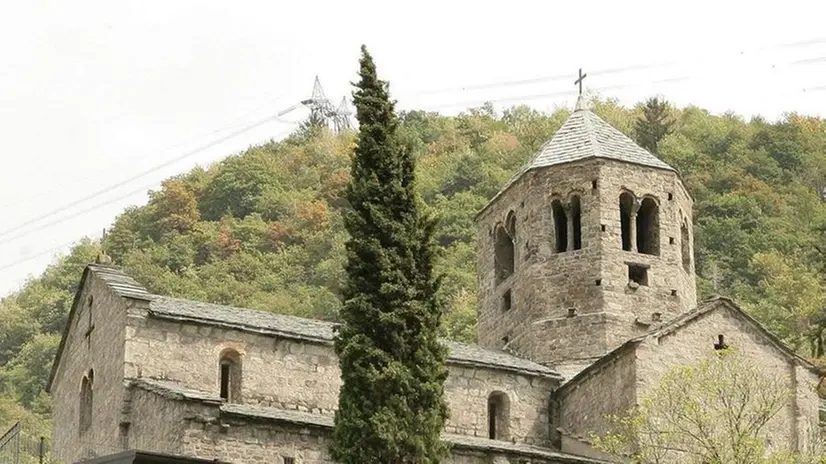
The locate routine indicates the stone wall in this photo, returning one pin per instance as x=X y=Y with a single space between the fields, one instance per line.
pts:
x=670 y=289
x=694 y=342
x=580 y=408
x=276 y=372
x=102 y=351
x=304 y=376
x=199 y=430
x=467 y=391
x=576 y=305
x=545 y=284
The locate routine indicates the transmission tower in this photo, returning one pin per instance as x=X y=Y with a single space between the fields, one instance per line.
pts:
x=323 y=113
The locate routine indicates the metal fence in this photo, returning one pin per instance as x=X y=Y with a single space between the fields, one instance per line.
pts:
x=16 y=447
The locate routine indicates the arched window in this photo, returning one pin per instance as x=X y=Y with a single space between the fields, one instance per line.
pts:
x=85 y=406
x=626 y=204
x=685 y=244
x=648 y=227
x=576 y=219
x=498 y=416
x=560 y=227
x=230 y=376
x=505 y=257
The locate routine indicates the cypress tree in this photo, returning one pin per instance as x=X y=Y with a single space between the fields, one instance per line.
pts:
x=653 y=125
x=391 y=406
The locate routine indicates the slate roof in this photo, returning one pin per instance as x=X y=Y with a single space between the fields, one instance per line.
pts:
x=120 y=283
x=586 y=136
x=320 y=331
x=264 y=322
x=173 y=390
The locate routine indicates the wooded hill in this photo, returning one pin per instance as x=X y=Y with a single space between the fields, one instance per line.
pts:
x=263 y=229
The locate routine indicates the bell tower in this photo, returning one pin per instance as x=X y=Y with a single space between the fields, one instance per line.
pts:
x=588 y=246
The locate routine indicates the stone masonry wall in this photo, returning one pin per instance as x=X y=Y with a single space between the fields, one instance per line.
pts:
x=609 y=389
x=690 y=344
x=276 y=372
x=103 y=351
x=467 y=391
x=545 y=284
x=305 y=376
x=670 y=290
x=158 y=423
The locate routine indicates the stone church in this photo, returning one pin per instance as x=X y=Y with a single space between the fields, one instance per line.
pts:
x=587 y=296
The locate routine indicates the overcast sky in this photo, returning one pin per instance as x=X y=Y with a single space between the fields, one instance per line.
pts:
x=95 y=93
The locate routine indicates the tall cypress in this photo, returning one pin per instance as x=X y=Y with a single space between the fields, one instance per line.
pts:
x=391 y=406
x=653 y=125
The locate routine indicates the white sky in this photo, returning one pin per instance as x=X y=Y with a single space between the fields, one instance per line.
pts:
x=93 y=93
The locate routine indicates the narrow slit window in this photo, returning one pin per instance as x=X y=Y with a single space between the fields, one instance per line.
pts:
x=576 y=218
x=498 y=412
x=229 y=371
x=626 y=203
x=685 y=247
x=507 y=300
x=560 y=227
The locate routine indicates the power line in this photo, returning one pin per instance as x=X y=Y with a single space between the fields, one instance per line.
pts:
x=77 y=214
x=225 y=127
x=624 y=69
x=565 y=93
x=151 y=170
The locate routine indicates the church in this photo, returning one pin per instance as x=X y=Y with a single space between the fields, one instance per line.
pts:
x=586 y=298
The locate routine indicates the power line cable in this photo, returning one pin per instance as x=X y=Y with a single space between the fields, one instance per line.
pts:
x=77 y=214
x=624 y=69
x=151 y=170
x=225 y=127
x=565 y=93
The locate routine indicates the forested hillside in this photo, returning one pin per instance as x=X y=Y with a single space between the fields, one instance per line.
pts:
x=263 y=229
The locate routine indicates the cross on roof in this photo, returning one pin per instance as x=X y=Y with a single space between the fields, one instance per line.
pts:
x=579 y=81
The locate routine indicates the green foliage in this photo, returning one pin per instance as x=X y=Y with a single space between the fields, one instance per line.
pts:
x=653 y=125
x=266 y=229
x=391 y=406
x=715 y=412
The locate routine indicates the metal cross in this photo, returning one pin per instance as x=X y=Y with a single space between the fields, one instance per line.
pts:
x=579 y=81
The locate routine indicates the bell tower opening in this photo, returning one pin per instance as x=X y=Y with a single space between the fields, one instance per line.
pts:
x=560 y=227
x=626 y=204
x=576 y=219
x=505 y=255
x=648 y=227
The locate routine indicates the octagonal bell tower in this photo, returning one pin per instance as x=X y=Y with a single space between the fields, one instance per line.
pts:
x=588 y=246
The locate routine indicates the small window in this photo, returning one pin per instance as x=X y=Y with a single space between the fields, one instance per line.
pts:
x=721 y=343
x=594 y=184
x=229 y=371
x=86 y=402
x=638 y=273
x=602 y=227
x=685 y=247
x=498 y=416
x=507 y=300
x=598 y=282
x=670 y=196
x=288 y=460
x=571 y=312
x=670 y=240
